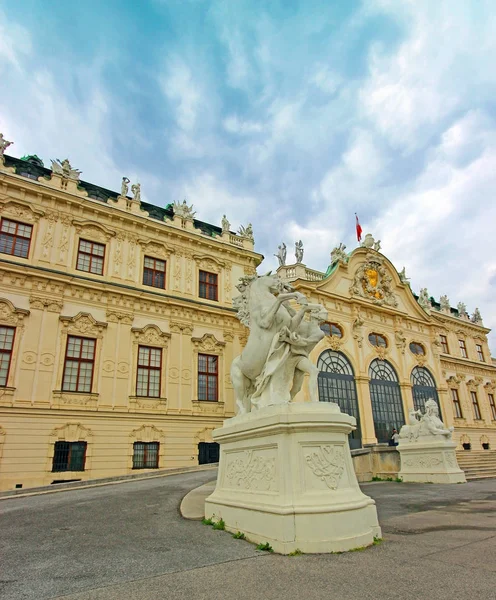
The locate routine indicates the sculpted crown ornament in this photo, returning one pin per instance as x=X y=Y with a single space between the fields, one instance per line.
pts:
x=65 y=170
x=372 y=281
x=246 y=232
x=181 y=209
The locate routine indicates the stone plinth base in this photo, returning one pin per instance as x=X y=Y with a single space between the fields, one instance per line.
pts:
x=427 y=461
x=286 y=477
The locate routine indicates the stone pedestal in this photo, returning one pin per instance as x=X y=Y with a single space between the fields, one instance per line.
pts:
x=428 y=460
x=286 y=477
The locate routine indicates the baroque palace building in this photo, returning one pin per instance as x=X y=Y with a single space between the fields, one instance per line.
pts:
x=117 y=328
x=117 y=332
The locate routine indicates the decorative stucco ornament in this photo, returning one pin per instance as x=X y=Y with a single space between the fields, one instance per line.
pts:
x=271 y=368
x=181 y=209
x=476 y=317
x=373 y=282
x=445 y=304
x=4 y=144
x=225 y=224
x=339 y=254
x=462 y=310
x=246 y=232
x=65 y=170
x=299 y=252
x=403 y=278
x=424 y=300
x=281 y=254
x=368 y=241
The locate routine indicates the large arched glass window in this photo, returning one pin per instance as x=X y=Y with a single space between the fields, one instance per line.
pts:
x=424 y=387
x=385 y=395
x=337 y=384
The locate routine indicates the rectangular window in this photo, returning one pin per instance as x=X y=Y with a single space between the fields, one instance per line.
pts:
x=208 y=285
x=79 y=364
x=480 y=354
x=456 y=404
x=149 y=371
x=91 y=257
x=69 y=456
x=154 y=272
x=463 y=348
x=475 y=406
x=444 y=344
x=492 y=406
x=208 y=374
x=6 y=344
x=145 y=455
x=15 y=238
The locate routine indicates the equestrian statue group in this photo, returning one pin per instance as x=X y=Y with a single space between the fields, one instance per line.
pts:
x=271 y=368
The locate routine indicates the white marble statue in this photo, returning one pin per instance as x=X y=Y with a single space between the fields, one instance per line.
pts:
x=181 y=209
x=476 y=317
x=225 y=224
x=64 y=169
x=377 y=245
x=445 y=304
x=246 y=232
x=425 y=425
x=338 y=254
x=272 y=365
x=368 y=241
x=125 y=186
x=281 y=254
x=403 y=278
x=136 y=190
x=424 y=299
x=4 y=144
x=299 y=251
x=462 y=310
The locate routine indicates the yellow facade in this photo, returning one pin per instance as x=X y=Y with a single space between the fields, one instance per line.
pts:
x=359 y=311
x=47 y=301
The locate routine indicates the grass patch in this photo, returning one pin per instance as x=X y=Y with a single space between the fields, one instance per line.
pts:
x=265 y=547
x=239 y=536
x=377 y=541
x=220 y=525
x=296 y=552
x=208 y=521
x=395 y=479
x=358 y=549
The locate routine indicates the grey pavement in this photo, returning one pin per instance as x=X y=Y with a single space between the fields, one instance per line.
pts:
x=128 y=541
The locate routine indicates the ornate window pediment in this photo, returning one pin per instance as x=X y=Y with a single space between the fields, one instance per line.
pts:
x=71 y=432
x=10 y=314
x=373 y=282
x=156 y=249
x=147 y=433
x=151 y=335
x=208 y=263
x=83 y=324
x=208 y=343
x=21 y=211
x=93 y=230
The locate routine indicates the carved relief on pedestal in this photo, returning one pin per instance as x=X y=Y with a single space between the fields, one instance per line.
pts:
x=326 y=462
x=252 y=470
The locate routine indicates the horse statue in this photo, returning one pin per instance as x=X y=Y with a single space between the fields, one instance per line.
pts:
x=271 y=367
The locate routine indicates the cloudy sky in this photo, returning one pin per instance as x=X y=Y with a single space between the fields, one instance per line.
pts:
x=290 y=114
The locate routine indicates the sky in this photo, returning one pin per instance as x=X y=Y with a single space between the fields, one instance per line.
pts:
x=292 y=115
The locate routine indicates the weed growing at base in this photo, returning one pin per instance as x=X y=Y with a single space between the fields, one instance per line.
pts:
x=239 y=536
x=266 y=547
x=296 y=552
x=395 y=479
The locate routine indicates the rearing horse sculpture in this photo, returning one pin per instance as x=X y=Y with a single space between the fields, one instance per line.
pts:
x=267 y=316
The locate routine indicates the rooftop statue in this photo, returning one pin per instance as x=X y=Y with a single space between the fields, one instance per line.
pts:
x=445 y=304
x=181 y=209
x=339 y=254
x=377 y=245
x=462 y=310
x=403 y=278
x=4 y=144
x=271 y=368
x=368 y=241
x=426 y=425
x=136 y=189
x=281 y=254
x=246 y=232
x=125 y=186
x=476 y=317
x=225 y=224
x=424 y=299
x=64 y=169
x=299 y=251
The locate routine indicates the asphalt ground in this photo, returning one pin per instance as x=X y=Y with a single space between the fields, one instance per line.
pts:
x=128 y=541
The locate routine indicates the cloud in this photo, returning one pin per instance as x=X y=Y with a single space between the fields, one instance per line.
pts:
x=182 y=92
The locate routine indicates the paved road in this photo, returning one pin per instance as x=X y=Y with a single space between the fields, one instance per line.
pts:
x=128 y=541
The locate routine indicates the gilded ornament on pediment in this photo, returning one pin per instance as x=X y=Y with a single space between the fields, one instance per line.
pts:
x=373 y=282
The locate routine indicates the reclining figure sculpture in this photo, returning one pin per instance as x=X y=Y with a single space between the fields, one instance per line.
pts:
x=427 y=424
x=271 y=368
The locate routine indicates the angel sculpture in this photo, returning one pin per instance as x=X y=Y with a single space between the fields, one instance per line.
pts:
x=64 y=169
x=181 y=209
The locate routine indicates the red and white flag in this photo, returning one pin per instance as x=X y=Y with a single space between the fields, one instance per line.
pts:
x=358 y=229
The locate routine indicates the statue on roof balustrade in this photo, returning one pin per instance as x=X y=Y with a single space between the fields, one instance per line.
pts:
x=65 y=170
x=4 y=144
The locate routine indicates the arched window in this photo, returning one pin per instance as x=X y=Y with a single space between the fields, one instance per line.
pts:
x=376 y=339
x=332 y=329
x=385 y=396
x=424 y=387
x=337 y=384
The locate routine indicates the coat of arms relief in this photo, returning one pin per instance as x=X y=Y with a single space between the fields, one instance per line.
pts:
x=372 y=281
